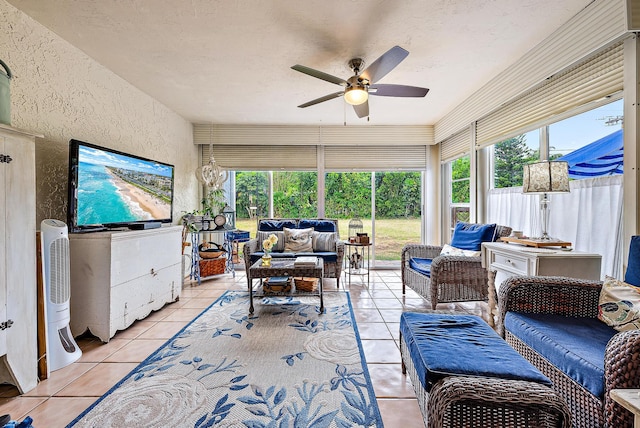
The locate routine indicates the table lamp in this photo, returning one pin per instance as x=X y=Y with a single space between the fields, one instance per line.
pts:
x=543 y=178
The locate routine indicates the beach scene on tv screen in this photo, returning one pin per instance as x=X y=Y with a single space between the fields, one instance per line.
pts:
x=115 y=188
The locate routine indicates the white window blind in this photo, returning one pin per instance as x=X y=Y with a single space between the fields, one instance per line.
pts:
x=591 y=80
x=456 y=146
x=262 y=158
x=375 y=158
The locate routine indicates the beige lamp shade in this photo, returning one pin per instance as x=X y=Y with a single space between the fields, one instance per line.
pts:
x=546 y=177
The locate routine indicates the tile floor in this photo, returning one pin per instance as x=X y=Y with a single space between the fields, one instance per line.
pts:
x=58 y=400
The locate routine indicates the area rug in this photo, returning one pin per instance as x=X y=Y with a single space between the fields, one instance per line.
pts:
x=284 y=366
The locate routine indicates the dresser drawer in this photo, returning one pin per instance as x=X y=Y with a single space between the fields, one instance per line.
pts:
x=510 y=263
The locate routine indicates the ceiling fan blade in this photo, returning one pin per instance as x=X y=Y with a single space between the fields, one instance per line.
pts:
x=320 y=75
x=397 y=91
x=383 y=65
x=322 y=99
x=362 y=110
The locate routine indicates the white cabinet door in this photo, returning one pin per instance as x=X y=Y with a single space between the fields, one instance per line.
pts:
x=4 y=165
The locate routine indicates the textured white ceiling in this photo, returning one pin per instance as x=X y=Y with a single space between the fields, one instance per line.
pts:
x=228 y=61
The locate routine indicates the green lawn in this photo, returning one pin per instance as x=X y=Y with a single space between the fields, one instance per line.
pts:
x=391 y=234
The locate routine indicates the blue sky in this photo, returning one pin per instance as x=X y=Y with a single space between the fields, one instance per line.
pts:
x=578 y=131
x=103 y=157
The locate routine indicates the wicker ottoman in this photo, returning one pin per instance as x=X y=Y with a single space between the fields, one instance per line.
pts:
x=449 y=399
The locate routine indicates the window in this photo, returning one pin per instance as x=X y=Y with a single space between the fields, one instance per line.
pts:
x=510 y=155
x=459 y=190
x=295 y=194
x=592 y=141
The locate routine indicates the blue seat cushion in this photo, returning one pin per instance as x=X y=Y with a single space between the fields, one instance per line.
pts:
x=443 y=345
x=317 y=225
x=468 y=236
x=327 y=256
x=632 y=276
x=422 y=266
x=574 y=345
x=276 y=225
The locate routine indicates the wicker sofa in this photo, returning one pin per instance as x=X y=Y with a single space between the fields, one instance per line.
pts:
x=332 y=257
x=552 y=321
x=448 y=278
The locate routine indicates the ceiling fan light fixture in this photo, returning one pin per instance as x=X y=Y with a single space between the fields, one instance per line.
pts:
x=356 y=95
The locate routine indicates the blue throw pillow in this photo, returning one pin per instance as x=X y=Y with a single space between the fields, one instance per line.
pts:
x=633 y=267
x=276 y=225
x=468 y=236
x=317 y=225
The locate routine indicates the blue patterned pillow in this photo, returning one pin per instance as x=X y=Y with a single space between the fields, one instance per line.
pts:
x=324 y=241
x=467 y=236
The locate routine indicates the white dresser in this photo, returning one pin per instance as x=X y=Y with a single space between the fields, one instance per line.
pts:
x=503 y=260
x=120 y=277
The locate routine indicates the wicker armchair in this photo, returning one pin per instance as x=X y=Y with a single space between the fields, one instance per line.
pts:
x=574 y=298
x=453 y=278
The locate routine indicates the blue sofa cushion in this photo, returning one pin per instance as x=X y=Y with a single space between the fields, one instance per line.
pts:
x=317 y=225
x=276 y=225
x=327 y=256
x=633 y=267
x=467 y=236
x=574 y=345
x=422 y=266
x=443 y=345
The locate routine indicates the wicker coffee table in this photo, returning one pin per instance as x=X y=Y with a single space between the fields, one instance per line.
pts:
x=283 y=267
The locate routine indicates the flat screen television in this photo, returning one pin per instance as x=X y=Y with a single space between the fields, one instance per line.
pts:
x=109 y=189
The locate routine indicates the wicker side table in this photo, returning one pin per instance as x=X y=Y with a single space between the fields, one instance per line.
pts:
x=283 y=267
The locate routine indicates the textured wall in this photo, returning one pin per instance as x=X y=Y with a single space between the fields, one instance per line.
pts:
x=60 y=92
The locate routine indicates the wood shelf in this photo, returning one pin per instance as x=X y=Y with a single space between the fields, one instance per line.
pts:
x=538 y=243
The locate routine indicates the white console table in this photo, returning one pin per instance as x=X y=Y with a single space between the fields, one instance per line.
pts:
x=504 y=260
x=119 y=277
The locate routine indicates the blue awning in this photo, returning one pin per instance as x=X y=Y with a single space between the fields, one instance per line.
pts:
x=602 y=157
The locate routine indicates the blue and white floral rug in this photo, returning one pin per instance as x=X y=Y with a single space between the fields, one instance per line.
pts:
x=284 y=366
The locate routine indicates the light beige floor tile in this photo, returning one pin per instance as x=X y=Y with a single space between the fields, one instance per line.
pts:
x=389 y=382
x=400 y=413
x=163 y=330
x=134 y=330
x=57 y=412
x=93 y=350
x=184 y=315
x=374 y=330
x=135 y=351
x=97 y=381
x=381 y=351
x=59 y=379
x=18 y=407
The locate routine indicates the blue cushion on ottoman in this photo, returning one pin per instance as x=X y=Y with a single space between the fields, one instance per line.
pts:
x=421 y=265
x=574 y=345
x=468 y=236
x=443 y=345
x=633 y=267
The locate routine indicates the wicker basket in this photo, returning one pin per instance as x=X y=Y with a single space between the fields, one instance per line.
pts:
x=276 y=288
x=306 y=284
x=212 y=266
x=210 y=250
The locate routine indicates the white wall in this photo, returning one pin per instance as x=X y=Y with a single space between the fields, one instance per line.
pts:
x=60 y=92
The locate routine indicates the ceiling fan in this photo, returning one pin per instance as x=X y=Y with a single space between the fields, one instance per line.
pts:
x=358 y=87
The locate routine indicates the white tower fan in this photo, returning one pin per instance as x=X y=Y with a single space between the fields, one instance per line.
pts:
x=62 y=349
